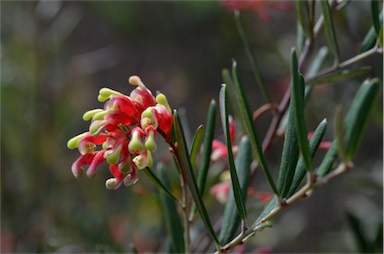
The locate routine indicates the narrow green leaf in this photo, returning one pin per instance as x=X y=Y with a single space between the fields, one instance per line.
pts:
x=329 y=29
x=171 y=216
x=369 y=40
x=375 y=8
x=186 y=169
x=357 y=117
x=274 y=203
x=252 y=58
x=297 y=97
x=207 y=147
x=354 y=124
x=232 y=168
x=303 y=16
x=231 y=219
x=339 y=74
x=314 y=144
x=363 y=245
x=158 y=182
x=197 y=138
x=249 y=128
x=317 y=62
x=339 y=131
x=289 y=157
x=381 y=36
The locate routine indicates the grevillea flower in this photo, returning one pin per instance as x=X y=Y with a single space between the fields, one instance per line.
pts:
x=125 y=132
x=260 y=7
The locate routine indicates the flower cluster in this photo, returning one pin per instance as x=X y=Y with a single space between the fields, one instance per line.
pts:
x=125 y=129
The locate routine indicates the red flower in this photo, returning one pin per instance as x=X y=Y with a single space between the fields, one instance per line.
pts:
x=260 y=7
x=126 y=129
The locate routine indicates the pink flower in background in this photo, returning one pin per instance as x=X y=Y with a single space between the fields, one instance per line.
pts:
x=260 y=7
x=125 y=129
x=219 y=149
x=323 y=145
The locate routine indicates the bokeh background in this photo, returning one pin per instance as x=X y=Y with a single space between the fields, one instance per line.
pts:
x=56 y=55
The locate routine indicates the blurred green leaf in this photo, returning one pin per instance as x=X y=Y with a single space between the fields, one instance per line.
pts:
x=158 y=182
x=207 y=147
x=246 y=117
x=375 y=8
x=381 y=36
x=186 y=169
x=289 y=156
x=329 y=29
x=357 y=117
x=354 y=123
x=339 y=132
x=171 y=216
x=274 y=203
x=314 y=144
x=297 y=97
x=303 y=17
x=231 y=219
x=363 y=244
x=196 y=142
x=339 y=74
x=368 y=41
x=240 y=203
x=252 y=58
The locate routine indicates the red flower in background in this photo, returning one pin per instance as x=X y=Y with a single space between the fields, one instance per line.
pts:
x=260 y=7
x=125 y=129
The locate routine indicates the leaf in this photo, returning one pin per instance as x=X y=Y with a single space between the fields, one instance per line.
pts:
x=355 y=122
x=186 y=169
x=363 y=245
x=289 y=157
x=252 y=58
x=368 y=41
x=375 y=8
x=381 y=36
x=158 y=182
x=207 y=147
x=357 y=117
x=248 y=125
x=339 y=74
x=329 y=29
x=297 y=97
x=339 y=130
x=314 y=144
x=232 y=168
x=231 y=219
x=196 y=144
x=303 y=17
x=274 y=203
x=171 y=216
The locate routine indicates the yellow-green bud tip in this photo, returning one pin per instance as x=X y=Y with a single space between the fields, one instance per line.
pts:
x=107 y=92
x=136 y=81
x=74 y=142
x=90 y=113
x=162 y=100
x=114 y=157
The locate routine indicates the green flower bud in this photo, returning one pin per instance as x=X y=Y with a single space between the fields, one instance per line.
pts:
x=135 y=145
x=74 y=142
x=162 y=100
x=150 y=143
x=107 y=92
x=90 y=113
x=113 y=158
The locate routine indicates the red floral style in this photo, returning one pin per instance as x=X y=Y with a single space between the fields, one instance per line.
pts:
x=260 y=7
x=125 y=129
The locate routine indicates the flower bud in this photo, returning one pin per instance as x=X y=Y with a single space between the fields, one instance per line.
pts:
x=150 y=143
x=131 y=179
x=107 y=92
x=90 y=113
x=148 y=118
x=100 y=115
x=74 y=142
x=113 y=156
x=136 y=145
x=112 y=184
x=143 y=160
x=162 y=100
x=97 y=126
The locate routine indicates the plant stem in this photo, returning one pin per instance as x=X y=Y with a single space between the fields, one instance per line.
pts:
x=312 y=183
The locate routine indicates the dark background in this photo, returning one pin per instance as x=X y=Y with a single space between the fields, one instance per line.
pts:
x=55 y=57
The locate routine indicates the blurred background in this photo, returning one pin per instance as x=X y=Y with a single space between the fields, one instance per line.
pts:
x=56 y=55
